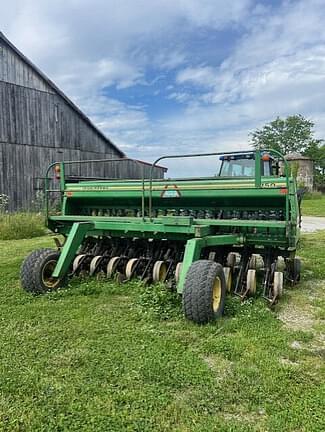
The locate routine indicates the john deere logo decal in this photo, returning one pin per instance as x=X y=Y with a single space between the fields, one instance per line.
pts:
x=170 y=191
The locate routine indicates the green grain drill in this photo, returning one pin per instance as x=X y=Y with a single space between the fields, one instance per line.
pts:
x=203 y=236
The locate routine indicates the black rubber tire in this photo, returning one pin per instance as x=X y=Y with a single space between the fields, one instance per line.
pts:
x=26 y=269
x=31 y=271
x=197 y=295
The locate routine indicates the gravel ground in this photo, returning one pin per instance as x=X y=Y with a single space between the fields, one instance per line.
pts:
x=312 y=223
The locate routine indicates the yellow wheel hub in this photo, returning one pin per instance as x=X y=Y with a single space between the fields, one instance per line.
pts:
x=216 y=294
x=47 y=279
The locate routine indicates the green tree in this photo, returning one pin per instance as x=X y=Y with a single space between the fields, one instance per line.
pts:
x=292 y=134
x=317 y=153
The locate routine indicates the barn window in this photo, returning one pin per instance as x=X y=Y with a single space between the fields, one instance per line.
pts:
x=56 y=112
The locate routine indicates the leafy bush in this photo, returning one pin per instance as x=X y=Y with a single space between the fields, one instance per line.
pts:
x=4 y=200
x=21 y=225
x=158 y=301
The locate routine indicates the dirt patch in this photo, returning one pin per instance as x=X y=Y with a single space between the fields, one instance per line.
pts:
x=296 y=345
x=286 y=362
x=246 y=417
x=219 y=365
x=296 y=318
x=302 y=313
x=318 y=345
x=312 y=223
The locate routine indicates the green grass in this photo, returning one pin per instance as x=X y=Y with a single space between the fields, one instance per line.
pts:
x=314 y=206
x=21 y=226
x=104 y=357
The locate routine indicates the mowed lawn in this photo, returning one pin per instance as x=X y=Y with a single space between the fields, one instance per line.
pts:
x=313 y=207
x=104 y=357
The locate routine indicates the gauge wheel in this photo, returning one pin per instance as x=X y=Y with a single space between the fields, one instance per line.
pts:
x=130 y=266
x=251 y=281
x=112 y=266
x=159 y=272
x=94 y=264
x=77 y=261
x=204 y=292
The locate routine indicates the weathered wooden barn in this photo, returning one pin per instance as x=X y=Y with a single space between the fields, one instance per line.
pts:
x=39 y=125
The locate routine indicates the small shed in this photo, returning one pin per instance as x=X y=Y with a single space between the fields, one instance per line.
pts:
x=304 y=168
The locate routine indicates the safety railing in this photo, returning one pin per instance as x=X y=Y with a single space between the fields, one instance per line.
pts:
x=258 y=175
x=59 y=168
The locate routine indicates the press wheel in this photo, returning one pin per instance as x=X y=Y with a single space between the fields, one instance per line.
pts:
x=94 y=264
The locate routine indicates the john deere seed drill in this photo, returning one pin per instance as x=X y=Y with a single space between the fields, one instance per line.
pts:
x=205 y=236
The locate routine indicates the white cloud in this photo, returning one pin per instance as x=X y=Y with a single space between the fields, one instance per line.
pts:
x=276 y=67
x=86 y=47
x=128 y=126
x=204 y=76
x=138 y=32
x=214 y=13
x=169 y=59
x=181 y=97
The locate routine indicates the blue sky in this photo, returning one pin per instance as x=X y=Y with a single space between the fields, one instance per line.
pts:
x=171 y=76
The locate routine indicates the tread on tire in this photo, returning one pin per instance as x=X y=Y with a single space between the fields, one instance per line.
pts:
x=31 y=274
x=198 y=293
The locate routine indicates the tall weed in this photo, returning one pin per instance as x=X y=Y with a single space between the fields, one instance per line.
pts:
x=21 y=225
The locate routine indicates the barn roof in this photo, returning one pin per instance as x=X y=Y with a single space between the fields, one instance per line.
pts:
x=60 y=92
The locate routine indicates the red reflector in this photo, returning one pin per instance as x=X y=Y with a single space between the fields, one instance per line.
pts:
x=69 y=194
x=265 y=157
x=284 y=191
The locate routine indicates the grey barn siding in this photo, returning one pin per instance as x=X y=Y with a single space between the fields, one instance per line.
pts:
x=14 y=70
x=28 y=118
x=40 y=125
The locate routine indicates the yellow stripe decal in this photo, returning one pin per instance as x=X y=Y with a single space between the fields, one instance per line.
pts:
x=180 y=188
